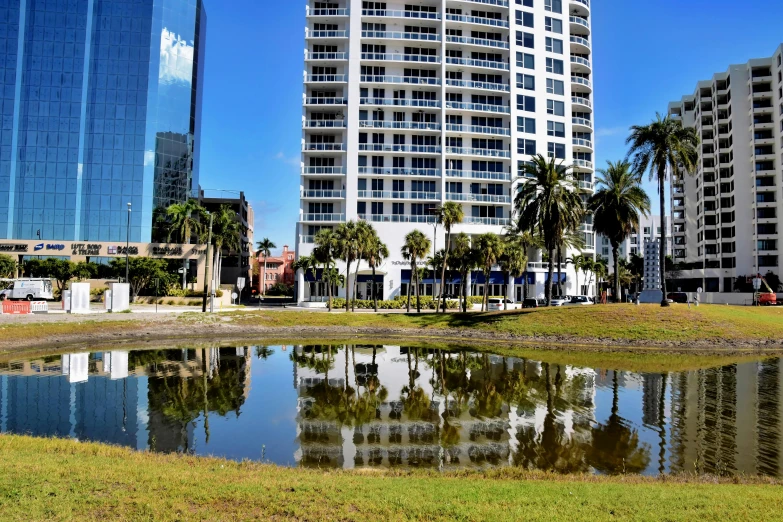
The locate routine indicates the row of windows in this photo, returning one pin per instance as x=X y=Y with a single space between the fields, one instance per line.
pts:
x=528 y=104
x=552 y=45
x=554 y=150
x=553 y=6
x=528 y=61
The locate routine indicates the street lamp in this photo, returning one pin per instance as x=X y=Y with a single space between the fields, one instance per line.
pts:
x=127 y=243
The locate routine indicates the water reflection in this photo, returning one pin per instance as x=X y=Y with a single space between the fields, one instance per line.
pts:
x=386 y=406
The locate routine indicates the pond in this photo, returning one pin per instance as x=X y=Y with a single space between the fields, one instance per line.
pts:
x=354 y=406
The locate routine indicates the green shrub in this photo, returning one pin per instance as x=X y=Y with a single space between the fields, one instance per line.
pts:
x=394 y=304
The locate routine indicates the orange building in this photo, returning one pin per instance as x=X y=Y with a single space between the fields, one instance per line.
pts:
x=279 y=269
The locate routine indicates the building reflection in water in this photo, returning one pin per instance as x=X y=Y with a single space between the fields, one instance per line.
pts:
x=390 y=405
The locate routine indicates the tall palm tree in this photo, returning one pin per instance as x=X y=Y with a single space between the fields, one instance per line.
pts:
x=346 y=240
x=616 y=206
x=513 y=262
x=183 y=220
x=654 y=147
x=549 y=203
x=588 y=266
x=377 y=252
x=227 y=232
x=365 y=235
x=326 y=250
x=415 y=247
x=462 y=259
x=572 y=239
x=449 y=214
x=306 y=264
x=265 y=249
x=491 y=248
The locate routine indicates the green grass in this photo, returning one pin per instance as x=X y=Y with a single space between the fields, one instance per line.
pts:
x=47 y=479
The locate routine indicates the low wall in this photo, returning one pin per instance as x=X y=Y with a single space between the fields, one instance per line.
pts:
x=741 y=299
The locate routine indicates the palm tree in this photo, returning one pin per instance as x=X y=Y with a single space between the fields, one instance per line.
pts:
x=572 y=239
x=578 y=261
x=265 y=249
x=332 y=278
x=326 y=249
x=513 y=262
x=600 y=270
x=463 y=260
x=227 y=231
x=415 y=247
x=436 y=261
x=549 y=203
x=616 y=206
x=184 y=220
x=376 y=253
x=365 y=235
x=346 y=235
x=449 y=214
x=491 y=248
x=654 y=147
x=588 y=265
x=306 y=264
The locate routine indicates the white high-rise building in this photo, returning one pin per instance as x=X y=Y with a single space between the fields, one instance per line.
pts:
x=725 y=218
x=649 y=230
x=409 y=105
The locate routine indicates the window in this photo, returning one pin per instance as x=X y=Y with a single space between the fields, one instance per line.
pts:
x=526 y=125
x=526 y=103
x=555 y=86
x=554 y=45
x=524 y=19
x=555 y=6
x=555 y=128
x=526 y=146
x=555 y=107
x=554 y=66
x=398 y=209
x=526 y=61
x=553 y=25
x=525 y=39
x=525 y=3
x=526 y=81
x=556 y=150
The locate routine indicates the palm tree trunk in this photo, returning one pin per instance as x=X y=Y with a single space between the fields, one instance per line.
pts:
x=505 y=291
x=662 y=201
x=443 y=272
x=616 y=280
x=418 y=293
x=551 y=276
x=485 y=301
x=263 y=282
x=410 y=283
x=560 y=270
x=328 y=286
x=374 y=290
x=347 y=282
x=527 y=285
x=356 y=283
x=465 y=293
x=576 y=273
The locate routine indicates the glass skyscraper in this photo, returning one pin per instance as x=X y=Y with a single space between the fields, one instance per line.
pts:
x=101 y=106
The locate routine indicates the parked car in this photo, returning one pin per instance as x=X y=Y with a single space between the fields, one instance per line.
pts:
x=678 y=297
x=580 y=300
x=560 y=300
x=531 y=302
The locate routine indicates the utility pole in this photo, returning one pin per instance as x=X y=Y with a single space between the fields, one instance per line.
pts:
x=206 y=269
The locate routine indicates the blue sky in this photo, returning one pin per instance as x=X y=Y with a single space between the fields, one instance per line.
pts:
x=645 y=54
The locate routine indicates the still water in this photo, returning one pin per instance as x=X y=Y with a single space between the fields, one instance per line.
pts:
x=380 y=406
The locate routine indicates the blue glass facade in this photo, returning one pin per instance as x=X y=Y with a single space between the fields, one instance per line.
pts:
x=101 y=106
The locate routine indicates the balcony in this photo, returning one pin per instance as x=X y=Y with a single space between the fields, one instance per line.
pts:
x=383 y=194
x=490 y=153
x=579 y=23
x=396 y=218
x=584 y=102
x=476 y=20
x=481 y=42
x=386 y=13
x=325 y=101
x=585 y=185
x=400 y=35
x=580 y=5
x=307 y=240
x=394 y=171
x=492 y=221
x=323 y=124
x=326 y=57
x=499 y=3
x=328 y=12
x=409 y=80
x=400 y=125
x=482 y=198
x=382 y=147
x=329 y=35
x=583 y=164
x=326 y=78
x=323 y=171
x=475 y=129
x=479 y=107
x=581 y=84
x=322 y=194
x=580 y=143
x=580 y=65
x=323 y=218
x=582 y=122
x=470 y=62
x=400 y=57
x=323 y=147
x=580 y=44
x=479 y=174
x=484 y=86
x=400 y=102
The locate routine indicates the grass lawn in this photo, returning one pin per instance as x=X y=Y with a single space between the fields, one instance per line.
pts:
x=45 y=479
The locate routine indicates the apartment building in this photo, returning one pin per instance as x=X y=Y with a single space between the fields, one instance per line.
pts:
x=725 y=218
x=409 y=105
x=649 y=230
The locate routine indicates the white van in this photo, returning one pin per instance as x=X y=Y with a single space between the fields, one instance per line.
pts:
x=29 y=289
x=496 y=305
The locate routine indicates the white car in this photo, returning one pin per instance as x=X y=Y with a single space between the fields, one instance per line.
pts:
x=559 y=301
x=580 y=300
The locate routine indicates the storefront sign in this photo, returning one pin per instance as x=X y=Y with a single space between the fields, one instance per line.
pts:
x=13 y=248
x=86 y=249
x=121 y=250
x=406 y=263
x=49 y=246
x=166 y=251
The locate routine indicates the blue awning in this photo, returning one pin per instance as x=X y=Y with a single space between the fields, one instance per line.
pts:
x=531 y=279
x=367 y=278
x=495 y=278
x=562 y=277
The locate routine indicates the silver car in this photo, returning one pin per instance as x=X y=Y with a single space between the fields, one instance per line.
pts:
x=580 y=300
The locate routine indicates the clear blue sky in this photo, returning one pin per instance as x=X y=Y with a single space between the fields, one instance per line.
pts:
x=645 y=54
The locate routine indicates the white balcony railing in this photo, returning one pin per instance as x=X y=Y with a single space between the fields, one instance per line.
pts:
x=325 y=101
x=400 y=102
x=485 y=42
x=396 y=218
x=483 y=198
x=383 y=147
x=327 y=34
x=323 y=194
x=476 y=20
x=581 y=100
x=470 y=62
x=584 y=122
x=326 y=78
x=478 y=174
x=581 y=41
x=328 y=12
x=581 y=142
x=324 y=171
x=500 y=87
x=478 y=129
x=411 y=80
x=400 y=125
x=326 y=56
x=493 y=221
x=579 y=21
x=323 y=217
x=469 y=151
x=580 y=61
x=394 y=171
x=323 y=124
x=386 y=194
x=578 y=80
x=387 y=13
x=400 y=35
x=482 y=107
x=400 y=57
x=323 y=147
x=584 y=164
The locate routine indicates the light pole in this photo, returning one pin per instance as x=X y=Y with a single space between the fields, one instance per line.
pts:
x=127 y=244
x=38 y=233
